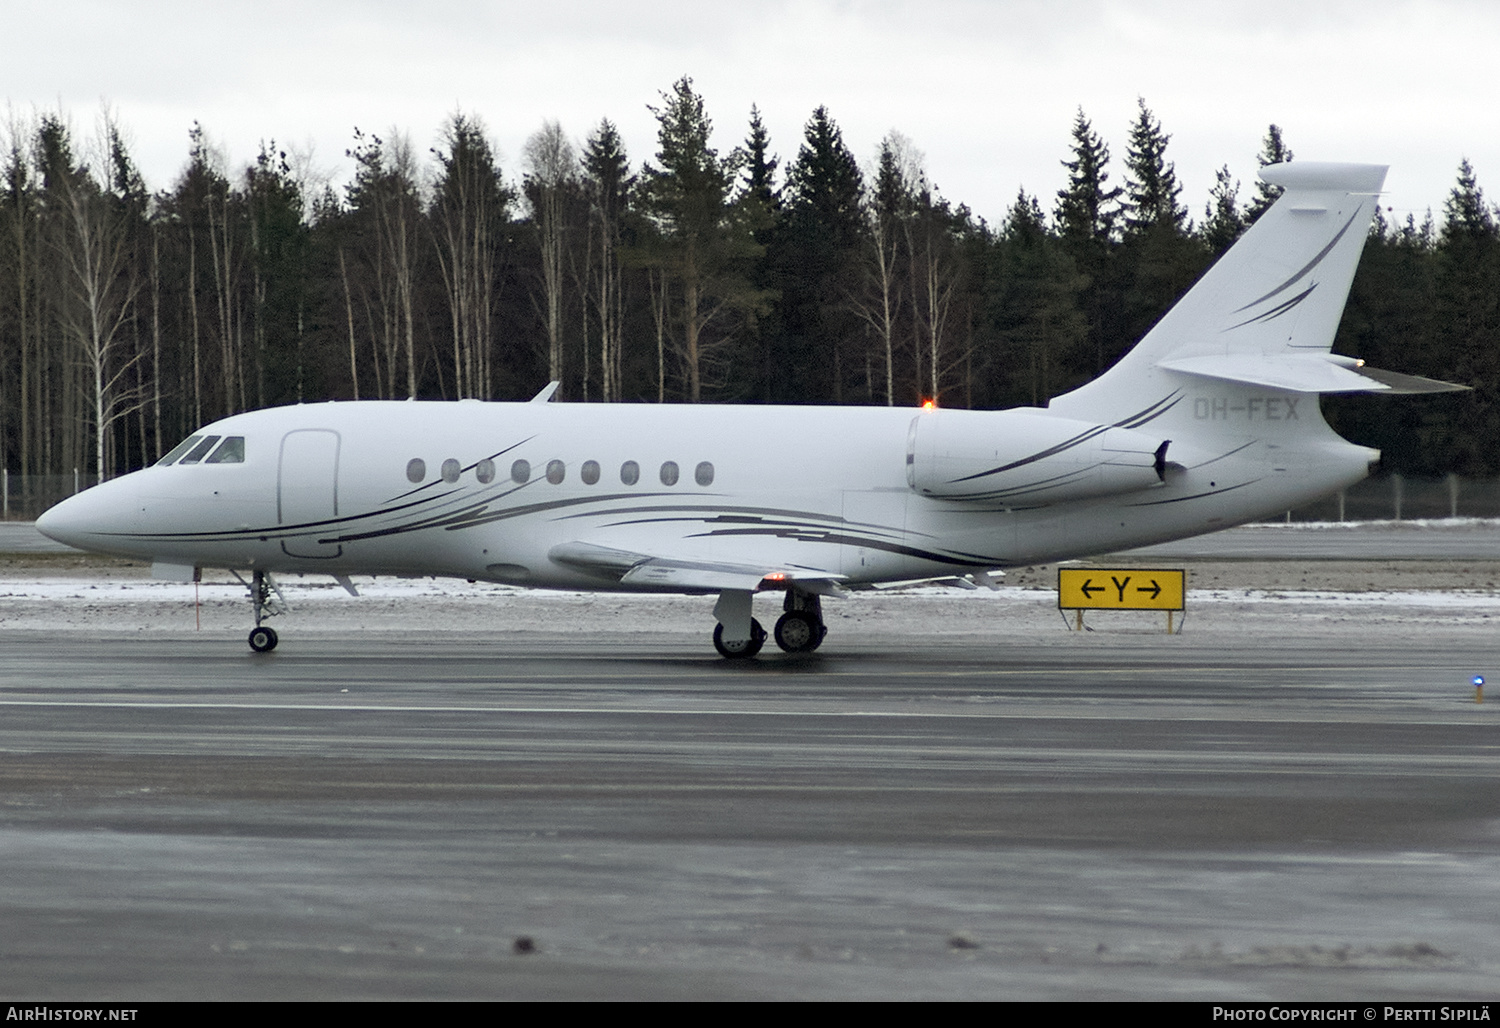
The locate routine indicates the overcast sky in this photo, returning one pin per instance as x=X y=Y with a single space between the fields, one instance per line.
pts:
x=986 y=90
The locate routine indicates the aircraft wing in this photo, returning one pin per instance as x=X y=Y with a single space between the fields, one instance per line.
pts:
x=688 y=574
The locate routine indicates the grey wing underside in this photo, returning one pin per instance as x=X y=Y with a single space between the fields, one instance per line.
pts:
x=644 y=570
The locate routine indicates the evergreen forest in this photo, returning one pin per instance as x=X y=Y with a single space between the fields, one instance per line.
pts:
x=129 y=317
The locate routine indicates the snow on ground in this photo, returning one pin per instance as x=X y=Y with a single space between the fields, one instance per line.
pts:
x=129 y=604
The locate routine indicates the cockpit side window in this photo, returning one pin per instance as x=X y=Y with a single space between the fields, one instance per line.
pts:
x=178 y=450
x=230 y=451
x=200 y=451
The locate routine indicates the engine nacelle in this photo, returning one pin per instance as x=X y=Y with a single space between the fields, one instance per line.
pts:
x=1027 y=458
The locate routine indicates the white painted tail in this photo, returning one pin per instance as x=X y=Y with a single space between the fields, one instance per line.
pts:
x=1265 y=314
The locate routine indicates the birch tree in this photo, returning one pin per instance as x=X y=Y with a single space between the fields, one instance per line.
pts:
x=469 y=210
x=97 y=289
x=551 y=176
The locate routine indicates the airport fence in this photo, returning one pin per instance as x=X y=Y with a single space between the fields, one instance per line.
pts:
x=23 y=497
x=1387 y=498
x=1398 y=498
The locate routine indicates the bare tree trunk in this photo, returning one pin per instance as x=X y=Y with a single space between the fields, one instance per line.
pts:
x=193 y=305
x=156 y=337
x=659 y=311
x=349 y=310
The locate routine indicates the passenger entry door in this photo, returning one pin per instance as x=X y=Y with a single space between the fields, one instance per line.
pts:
x=307 y=491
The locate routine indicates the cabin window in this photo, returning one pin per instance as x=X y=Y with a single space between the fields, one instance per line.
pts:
x=589 y=472
x=416 y=469
x=630 y=472
x=520 y=472
x=230 y=451
x=178 y=450
x=556 y=471
x=703 y=474
x=669 y=473
x=200 y=451
x=485 y=471
x=451 y=470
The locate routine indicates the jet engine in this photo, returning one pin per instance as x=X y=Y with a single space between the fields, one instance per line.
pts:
x=1026 y=458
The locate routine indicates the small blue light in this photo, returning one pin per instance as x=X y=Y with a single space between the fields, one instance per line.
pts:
x=1478 y=681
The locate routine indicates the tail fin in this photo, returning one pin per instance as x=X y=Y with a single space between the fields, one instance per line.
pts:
x=1265 y=314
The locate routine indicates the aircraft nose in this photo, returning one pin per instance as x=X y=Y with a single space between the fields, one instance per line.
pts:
x=87 y=519
x=61 y=522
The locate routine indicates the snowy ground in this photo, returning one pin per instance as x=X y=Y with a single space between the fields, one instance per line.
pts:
x=1280 y=598
x=1383 y=573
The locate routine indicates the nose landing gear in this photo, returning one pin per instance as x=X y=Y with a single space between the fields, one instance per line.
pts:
x=261 y=585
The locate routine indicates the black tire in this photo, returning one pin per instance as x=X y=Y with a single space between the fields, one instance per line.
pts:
x=263 y=640
x=736 y=651
x=799 y=632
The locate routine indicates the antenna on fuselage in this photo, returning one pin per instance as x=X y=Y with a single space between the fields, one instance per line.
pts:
x=547 y=393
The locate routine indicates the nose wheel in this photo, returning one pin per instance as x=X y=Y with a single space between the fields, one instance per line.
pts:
x=264 y=597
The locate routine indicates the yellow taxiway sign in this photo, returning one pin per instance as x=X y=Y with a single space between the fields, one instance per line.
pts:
x=1121 y=588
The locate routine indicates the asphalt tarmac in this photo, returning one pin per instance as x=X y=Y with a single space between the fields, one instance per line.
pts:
x=1238 y=812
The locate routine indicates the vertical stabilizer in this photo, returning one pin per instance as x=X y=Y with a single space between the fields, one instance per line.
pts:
x=1265 y=314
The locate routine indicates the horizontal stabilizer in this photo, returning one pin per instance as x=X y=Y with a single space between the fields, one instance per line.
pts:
x=1305 y=373
x=1397 y=383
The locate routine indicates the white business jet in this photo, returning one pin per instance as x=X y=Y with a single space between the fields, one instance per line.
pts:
x=1210 y=421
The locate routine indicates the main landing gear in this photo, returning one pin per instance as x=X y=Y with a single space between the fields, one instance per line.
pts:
x=735 y=648
x=800 y=628
x=261 y=585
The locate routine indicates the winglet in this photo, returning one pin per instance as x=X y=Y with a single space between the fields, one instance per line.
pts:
x=547 y=393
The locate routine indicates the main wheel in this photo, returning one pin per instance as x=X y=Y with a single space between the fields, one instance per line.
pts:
x=746 y=648
x=799 y=632
x=262 y=639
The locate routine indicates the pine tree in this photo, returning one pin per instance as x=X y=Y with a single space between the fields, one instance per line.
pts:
x=818 y=256
x=1034 y=307
x=1466 y=317
x=1160 y=258
x=1087 y=216
x=759 y=182
x=1151 y=185
x=1087 y=211
x=279 y=259
x=704 y=241
x=1273 y=150
x=1223 y=223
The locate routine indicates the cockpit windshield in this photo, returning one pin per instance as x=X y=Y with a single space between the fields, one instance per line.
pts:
x=195 y=448
x=178 y=450
x=230 y=451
